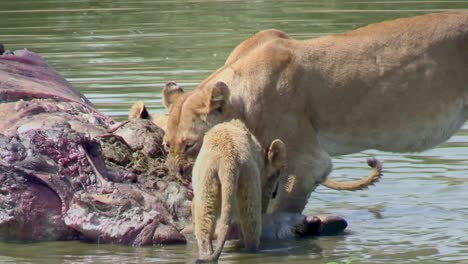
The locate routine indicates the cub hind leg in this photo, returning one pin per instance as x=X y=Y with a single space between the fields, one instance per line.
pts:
x=205 y=212
x=249 y=206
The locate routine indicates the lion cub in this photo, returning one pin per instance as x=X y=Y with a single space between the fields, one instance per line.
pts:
x=228 y=176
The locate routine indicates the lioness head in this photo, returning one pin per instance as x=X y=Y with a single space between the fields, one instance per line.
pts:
x=191 y=115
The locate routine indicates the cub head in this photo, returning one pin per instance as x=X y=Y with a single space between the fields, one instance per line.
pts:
x=139 y=111
x=191 y=115
x=276 y=159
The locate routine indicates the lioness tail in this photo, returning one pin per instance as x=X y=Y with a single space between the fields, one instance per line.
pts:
x=373 y=177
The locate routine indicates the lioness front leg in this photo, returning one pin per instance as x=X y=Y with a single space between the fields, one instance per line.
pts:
x=305 y=171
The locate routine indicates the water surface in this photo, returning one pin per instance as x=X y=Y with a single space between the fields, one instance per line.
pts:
x=120 y=51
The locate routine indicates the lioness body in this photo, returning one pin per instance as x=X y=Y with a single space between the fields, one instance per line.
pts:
x=227 y=178
x=396 y=86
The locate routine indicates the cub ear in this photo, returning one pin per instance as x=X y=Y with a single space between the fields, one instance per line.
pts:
x=218 y=95
x=277 y=154
x=139 y=110
x=170 y=92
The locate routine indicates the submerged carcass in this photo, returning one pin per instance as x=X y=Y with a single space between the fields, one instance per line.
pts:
x=68 y=172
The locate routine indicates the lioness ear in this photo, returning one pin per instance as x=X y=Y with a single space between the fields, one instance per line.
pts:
x=139 y=110
x=277 y=154
x=170 y=92
x=218 y=96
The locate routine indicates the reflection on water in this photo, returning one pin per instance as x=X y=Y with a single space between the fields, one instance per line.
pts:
x=117 y=52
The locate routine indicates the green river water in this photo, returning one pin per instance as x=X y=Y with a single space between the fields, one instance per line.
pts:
x=120 y=51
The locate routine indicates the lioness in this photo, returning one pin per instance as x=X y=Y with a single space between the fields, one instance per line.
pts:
x=228 y=176
x=395 y=86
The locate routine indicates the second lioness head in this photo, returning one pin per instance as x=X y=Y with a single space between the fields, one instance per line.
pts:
x=191 y=115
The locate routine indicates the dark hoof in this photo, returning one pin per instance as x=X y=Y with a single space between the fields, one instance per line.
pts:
x=311 y=227
x=321 y=226
x=2 y=49
x=332 y=225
